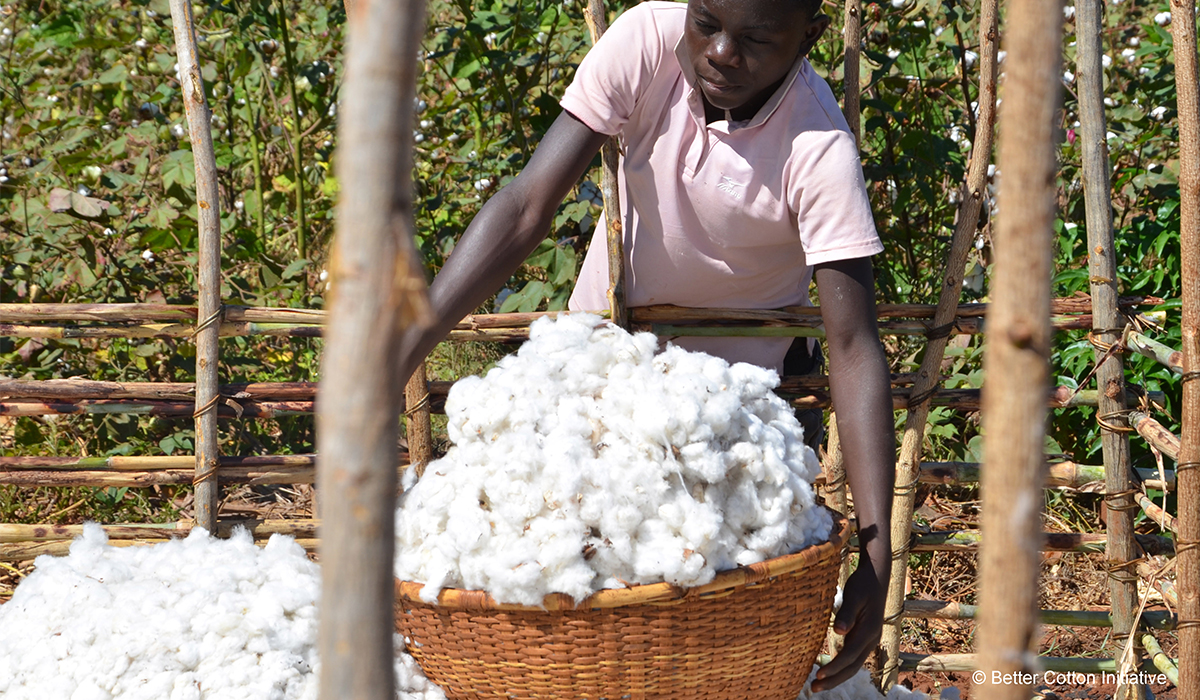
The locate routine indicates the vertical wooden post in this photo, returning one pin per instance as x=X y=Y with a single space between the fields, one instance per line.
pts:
x=852 y=42
x=1121 y=549
x=835 y=497
x=1018 y=350
x=908 y=469
x=378 y=290
x=597 y=22
x=419 y=427
x=1183 y=30
x=208 y=279
x=297 y=134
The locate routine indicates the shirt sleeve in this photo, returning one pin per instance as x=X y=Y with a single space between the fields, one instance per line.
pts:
x=613 y=76
x=828 y=196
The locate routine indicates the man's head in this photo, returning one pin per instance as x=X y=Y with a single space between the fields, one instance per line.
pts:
x=740 y=50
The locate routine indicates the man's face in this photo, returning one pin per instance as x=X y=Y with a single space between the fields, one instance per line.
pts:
x=741 y=49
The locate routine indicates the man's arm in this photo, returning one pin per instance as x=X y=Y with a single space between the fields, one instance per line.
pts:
x=860 y=386
x=506 y=230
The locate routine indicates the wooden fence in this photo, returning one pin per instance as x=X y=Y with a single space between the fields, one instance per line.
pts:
x=208 y=401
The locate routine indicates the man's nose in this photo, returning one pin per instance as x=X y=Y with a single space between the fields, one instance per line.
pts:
x=723 y=51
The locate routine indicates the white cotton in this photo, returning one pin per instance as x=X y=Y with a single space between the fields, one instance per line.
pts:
x=587 y=460
x=860 y=687
x=183 y=620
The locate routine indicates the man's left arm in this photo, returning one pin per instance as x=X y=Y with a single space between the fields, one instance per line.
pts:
x=860 y=386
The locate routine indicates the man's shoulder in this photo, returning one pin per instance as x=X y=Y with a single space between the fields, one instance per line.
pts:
x=810 y=115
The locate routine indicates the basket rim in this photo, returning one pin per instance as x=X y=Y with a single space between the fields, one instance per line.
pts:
x=457 y=598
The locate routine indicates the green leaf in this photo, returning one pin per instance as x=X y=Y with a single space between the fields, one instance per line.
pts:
x=468 y=69
x=294 y=269
x=113 y=75
x=161 y=215
x=178 y=168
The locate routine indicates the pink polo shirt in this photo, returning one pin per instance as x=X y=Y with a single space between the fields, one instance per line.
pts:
x=730 y=215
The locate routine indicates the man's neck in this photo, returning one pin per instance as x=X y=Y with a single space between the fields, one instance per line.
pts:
x=741 y=113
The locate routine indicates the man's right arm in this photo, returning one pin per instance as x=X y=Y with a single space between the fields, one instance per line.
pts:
x=503 y=234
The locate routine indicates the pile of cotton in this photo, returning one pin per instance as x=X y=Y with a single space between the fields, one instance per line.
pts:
x=183 y=620
x=587 y=461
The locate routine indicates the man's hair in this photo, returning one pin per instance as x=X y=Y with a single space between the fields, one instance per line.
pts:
x=810 y=8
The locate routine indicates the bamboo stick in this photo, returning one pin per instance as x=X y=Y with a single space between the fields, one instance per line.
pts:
x=1154 y=433
x=160 y=330
x=908 y=467
x=15 y=533
x=59 y=548
x=208 y=278
x=944 y=610
x=1077 y=542
x=149 y=313
x=229 y=407
x=419 y=428
x=950 y=663
x=1059 y=474
x=1152 y=573
x=162 y=477
x=379 y=292
x=834 y=481
x=1018 y=348
x=155 y=463
x=1154 y=512
x=1107 y=324
x=516 y=334
x=597 y=23
x=87 y=389
x=1183 y=32
x=1148 y=347
x=851 y=80
x=1160 y=660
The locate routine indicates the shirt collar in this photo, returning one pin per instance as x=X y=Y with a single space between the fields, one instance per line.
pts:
x=765 y=112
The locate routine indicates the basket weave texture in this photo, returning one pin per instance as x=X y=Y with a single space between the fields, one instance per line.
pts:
x=753 y=632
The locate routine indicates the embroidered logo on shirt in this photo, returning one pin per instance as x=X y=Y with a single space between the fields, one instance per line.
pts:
x=728 y=186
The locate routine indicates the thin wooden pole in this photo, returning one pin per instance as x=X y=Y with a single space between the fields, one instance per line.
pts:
x=1107 y=325
x=660 y=313
x=851 y=84
x=942 y=663
x=946 y=610
x=209 y=277
x=418 y=425
x=297 y=133
x=597 y=22
x=1183 y=31
x=378 y=292
x=1018 y=350
x=1155 y=433
x=1161 y=661
x=908 y=467
x=1148 y=347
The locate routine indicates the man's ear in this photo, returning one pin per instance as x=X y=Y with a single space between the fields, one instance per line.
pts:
x=813 y=32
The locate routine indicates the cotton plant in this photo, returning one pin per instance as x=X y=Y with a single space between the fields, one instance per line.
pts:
x=588 y=460
x=187 y=619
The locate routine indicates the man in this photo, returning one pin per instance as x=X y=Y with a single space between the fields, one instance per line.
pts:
x=740 y=184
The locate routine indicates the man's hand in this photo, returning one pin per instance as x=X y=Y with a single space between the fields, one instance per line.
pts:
x=860 y=621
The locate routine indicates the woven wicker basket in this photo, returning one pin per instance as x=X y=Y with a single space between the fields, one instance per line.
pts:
x=753 y=632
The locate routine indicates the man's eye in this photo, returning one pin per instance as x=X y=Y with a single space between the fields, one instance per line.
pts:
x=705 y=26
